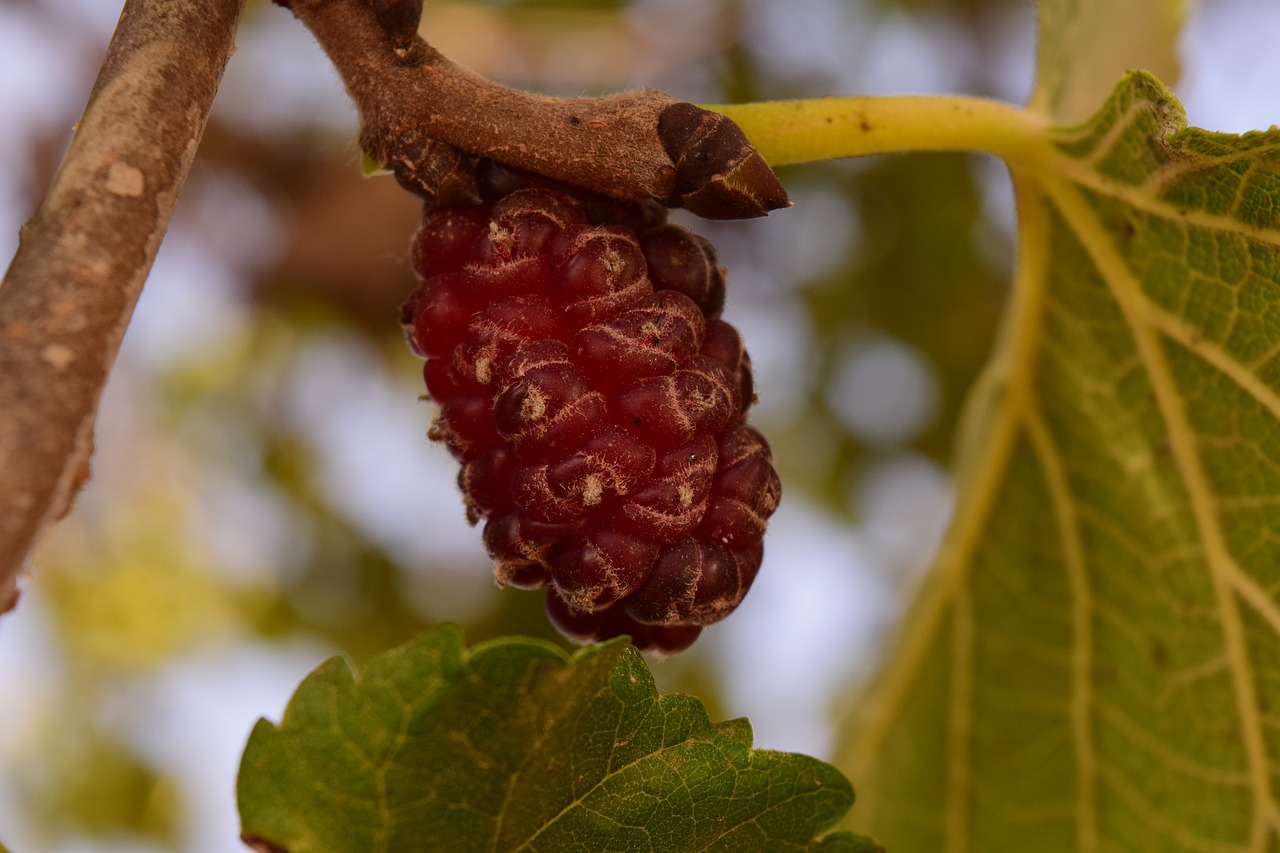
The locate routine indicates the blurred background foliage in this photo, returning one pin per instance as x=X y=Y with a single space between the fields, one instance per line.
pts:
x=263 y=492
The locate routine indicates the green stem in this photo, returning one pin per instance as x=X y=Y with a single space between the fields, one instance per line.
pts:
x=828 y=128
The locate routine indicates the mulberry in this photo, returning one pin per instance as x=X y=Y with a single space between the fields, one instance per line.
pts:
x=597 y=403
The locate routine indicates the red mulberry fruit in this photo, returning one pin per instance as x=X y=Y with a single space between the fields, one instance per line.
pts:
x=597 y=404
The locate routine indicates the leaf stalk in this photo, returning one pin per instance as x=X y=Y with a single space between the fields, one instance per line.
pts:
x=802 y=131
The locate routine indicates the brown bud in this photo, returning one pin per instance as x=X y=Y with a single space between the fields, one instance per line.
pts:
x=428 y=168
x=719 y=175
x=399 y=19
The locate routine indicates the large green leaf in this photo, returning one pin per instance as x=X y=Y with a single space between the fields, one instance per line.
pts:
x=513 y=746
x=1094 y=663
x=1086 y=45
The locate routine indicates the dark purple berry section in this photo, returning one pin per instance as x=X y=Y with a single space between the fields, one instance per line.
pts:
x=597 y=404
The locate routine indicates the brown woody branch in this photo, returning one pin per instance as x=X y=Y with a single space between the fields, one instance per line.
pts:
x=82 y=259
x=641 y=144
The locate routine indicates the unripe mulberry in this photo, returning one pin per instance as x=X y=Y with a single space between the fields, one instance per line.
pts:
x=597 y=404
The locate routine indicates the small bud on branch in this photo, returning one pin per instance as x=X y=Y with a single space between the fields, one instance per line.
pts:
x=399 y=19
x=428 y=168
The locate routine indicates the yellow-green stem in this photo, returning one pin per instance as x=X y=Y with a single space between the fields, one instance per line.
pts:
x=828 y=128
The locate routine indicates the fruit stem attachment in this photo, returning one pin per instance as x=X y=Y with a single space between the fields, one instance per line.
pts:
x=635 y=145
x=801 y=131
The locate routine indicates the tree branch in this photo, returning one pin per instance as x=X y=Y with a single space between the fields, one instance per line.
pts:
x=636 y=145
x=82 y=259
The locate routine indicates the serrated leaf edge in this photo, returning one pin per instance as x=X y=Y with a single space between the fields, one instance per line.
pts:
x=734 y=737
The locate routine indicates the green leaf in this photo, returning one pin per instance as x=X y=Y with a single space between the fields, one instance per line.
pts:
x=1094 y=663
x=515 y=746
x=1086 y=45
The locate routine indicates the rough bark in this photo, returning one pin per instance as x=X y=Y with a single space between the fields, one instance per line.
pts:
x=83 y=257
x=640 y=144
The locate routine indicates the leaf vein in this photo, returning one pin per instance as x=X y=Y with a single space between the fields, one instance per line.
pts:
x=1068 y=523
x=1128 y=295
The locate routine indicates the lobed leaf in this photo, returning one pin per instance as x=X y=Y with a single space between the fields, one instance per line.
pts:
x=512 y=745
x=1095 y=661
